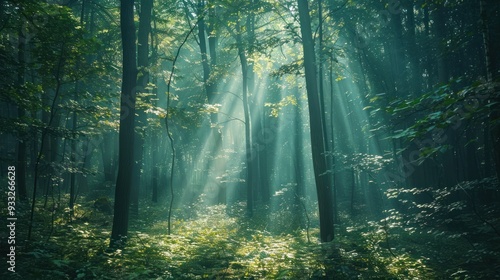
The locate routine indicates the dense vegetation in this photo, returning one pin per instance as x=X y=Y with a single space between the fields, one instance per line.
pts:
x=252 y=139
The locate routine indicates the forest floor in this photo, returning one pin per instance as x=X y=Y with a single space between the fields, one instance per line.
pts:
x=218 y=242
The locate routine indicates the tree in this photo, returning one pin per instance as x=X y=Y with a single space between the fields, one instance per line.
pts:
x=21 y=148
x=243 y=45
x=490 y=29
x=322 y=179
x=249 y=155
x=127 y=115
x=142 y=88
x=209 y=64
x=57 y=47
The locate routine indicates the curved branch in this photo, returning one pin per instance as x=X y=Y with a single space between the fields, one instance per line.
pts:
x=230 y=118
x=168 y=128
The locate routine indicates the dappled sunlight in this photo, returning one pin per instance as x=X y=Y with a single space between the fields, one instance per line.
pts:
x=214 y=244
x=261 y=139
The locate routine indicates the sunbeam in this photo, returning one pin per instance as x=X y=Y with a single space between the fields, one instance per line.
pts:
x=250 y=139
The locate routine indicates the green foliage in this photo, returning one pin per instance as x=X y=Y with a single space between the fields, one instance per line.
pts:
x=443 y=108
x=291 y=68
x=430 y=232
x=361 y=161
x=458 y=225
x=216 y=244
x=65 y=70
x=103 y=204
x=431 y=239
x=288 y=100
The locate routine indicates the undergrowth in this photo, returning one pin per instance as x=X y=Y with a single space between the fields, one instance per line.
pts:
x=218 y=242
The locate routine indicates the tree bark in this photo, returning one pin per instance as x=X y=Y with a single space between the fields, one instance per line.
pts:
x=322 y=179
x=443 y=52
x=108 y=153
x=21 y=148
x=210 y=84
x=413 y=52
x=490 y=11
x=249 y=155
x=127 y=115
x=142 y=84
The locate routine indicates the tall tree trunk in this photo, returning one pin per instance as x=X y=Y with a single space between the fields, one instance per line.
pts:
x=50 y=118
x=490 y=13
x=155 y=150
x=157 y=146
x=210 y=84
x=298 y=158
x=127 y=115
x=249 y=156
x=335 y=176
x=413 y=52
x=260 y=187
x=109 y=160
x=323 y=185
x=396 y=49
x=443 y=52
x=21 y=147
x=72 y=192
x=263 y=154
x=142 y=84
x=72 y=195
x=326 y=141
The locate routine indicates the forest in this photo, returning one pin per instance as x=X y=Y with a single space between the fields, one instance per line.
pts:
x=250 y=139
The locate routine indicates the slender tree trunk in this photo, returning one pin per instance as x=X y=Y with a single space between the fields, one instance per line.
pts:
x=335 y=176
x=210 y=85
x=46 y=138
x=109 y=156
x=396 y=48
x=490 y=11
x=156 y=168
x=443 y=53
x=327 y=143
x=298 y=156
x=127 y=114
x=413 y=52
x=212 y=80
x=427 y=65
x=157 y=143
x=21 y=147
x=142 y=85
x=260 y=186
x=249 y=156
x=73 y=160
x=72 y=194
x=323 y=185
